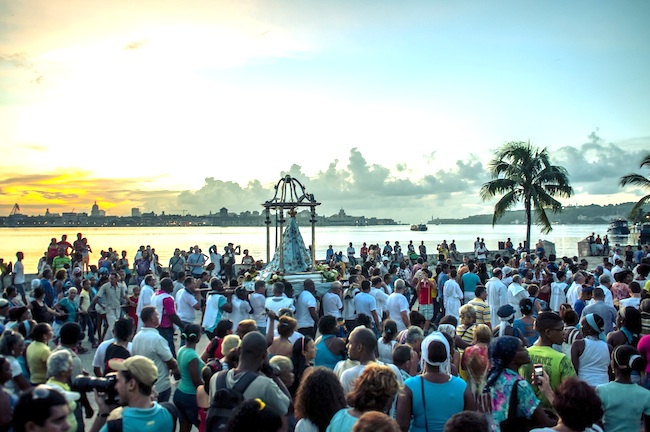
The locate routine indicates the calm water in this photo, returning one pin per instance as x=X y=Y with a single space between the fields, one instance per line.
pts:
x=33 y=241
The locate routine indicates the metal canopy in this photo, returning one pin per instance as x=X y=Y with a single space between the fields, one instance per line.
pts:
x=289 y=194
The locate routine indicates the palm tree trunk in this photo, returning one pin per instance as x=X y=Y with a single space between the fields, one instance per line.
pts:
x=528 y=223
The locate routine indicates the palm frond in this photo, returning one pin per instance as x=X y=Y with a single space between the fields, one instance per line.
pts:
x=638 y=206
x=635 y=180
x=492 y=188
x=645 y=161
x=508 y=201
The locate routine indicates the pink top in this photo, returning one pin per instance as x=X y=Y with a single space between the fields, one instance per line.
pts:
x=169 y=308
x=644 y=350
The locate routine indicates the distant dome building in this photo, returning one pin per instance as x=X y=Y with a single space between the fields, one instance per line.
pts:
x=96 y=212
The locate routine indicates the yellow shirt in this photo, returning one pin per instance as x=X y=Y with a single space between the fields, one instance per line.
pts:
x=37 y=355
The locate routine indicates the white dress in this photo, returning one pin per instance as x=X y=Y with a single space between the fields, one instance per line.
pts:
x=453 y=295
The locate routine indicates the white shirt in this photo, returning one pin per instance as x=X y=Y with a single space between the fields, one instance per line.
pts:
x=349 y=311
x=381 y=298
x=215 y=258
x=276 y=303
x=148 y=343
x=185 y=306
x=240 y=311
x=19 y=273
x=99 y=360
x=145 y=299
x=212 y=313
x=558 y=296
x=573 y=293
x=305 y=301
x=609 y=300
x=349 y=376
x=364 y=303
x=332 y=305
x=396 y=304
x=497 y=295
x=258 y=303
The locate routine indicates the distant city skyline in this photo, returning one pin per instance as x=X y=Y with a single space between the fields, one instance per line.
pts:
x=381 y=108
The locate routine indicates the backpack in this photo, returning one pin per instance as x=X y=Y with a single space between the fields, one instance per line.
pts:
x=225 y=400
x=117 y=426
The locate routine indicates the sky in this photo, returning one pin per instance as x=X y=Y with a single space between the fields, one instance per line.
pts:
x=387 y=109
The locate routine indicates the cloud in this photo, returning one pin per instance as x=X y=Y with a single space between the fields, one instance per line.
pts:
x=134 y=45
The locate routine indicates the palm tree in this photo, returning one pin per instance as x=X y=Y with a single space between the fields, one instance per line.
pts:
x=638 y=180
x=522 y=172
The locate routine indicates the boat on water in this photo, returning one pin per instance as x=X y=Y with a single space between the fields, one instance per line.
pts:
x=618 y=228
x=419 y=227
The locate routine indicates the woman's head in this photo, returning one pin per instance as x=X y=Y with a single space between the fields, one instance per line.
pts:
x=246 y=326
x=577 y=404
x=319 y=396
x=436 y=352
x=626 y=358
x=374 y=390
x=284 y=367
x=192 y=333
x=286 y=326
x=224 y=328
x=42 y=332
x=253 y=415
x=526 y=306
x=59 y=364
x=374 y=421
x=506 y=352
x=390 y=330
x=12 y=343
x=630 y=318
x=482 y=334
x=592 y=325
x=467 y=315
x=304 y=348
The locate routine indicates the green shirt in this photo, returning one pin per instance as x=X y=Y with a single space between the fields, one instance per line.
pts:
x=185 y=356
x=557 y=366
x=624 y=404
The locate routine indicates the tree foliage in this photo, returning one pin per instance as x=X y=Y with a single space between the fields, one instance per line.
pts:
x=640 y=181
x=522 y=172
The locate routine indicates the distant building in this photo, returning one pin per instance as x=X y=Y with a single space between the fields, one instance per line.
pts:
x=135 y=212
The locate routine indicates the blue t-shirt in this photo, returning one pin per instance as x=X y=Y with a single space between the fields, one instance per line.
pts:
x=50 y=295
x=470 y=280
x=154 y=419
x=442 y=401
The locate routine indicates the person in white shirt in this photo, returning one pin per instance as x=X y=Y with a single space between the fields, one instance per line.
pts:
x=349 y=311
x=516 y=293
x=365 y=304
x=332 y=304
x=149 y=343
x=257 y=300
x=452 y=295
x=497 y=291
x=558 y=295
x=217 y=305
x=18 y=276
x=506 y=278
x=306 y=312
x=278 y=301
x=145 y=298
x=606 y=285
x=188 y=302
x=378 y=292
x=215 y=258
x=574 y=290
x=398 y=306
x=241 y=308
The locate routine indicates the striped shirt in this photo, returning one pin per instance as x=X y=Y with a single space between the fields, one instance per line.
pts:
x=482 y=310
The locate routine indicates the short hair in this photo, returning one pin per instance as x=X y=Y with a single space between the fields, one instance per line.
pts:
x=123 y=328
x=480 y=289
x=599 y=293
x=40 y=330
x=188 y=281
x=467 y=311
x=166 y=284
x=148 y=278
x=577 y=404
x=401 y=354
x=278 y=288
x=416 y=318
x=57 y=362
x=327 y=325
x=414 y=334
x=570 y=317
x=282 y=362
x=216 y=284
x=399 y=284
x=365 y=285
x=70 y=333
x=467 y=421
x=147 y=313
x=482 y=333
x=375 y=421
x=366 y=338
x=632 y=319
x=246 y=326
x=605 y=279
x=373 y=389
x=547 y=320
x=635 y=287
x=37 y=410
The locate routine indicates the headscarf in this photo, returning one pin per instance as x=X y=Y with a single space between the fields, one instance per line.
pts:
x=502 y=351
x=506 y=314
x=445 y=366
x=591 y=320
x=447 y=329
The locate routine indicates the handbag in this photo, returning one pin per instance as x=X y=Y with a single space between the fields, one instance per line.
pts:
x=513 y=423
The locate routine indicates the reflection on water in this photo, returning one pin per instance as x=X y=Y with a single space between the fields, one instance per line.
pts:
x=33 y=241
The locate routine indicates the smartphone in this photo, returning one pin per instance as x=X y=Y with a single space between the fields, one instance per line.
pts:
x=539 y=371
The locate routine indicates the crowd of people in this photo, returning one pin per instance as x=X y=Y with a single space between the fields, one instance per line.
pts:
x=523 y=342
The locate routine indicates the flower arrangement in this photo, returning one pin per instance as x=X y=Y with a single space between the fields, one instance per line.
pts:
x=250 y=276
x=276 y=277
x=329 y=274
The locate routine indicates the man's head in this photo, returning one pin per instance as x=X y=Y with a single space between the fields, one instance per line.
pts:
x=149 y=280
x=362 y=343
x=400 y=285
x=253 y=351
x=150 y=317
x=336 y=287
x=166 y=285
x=550 y=327
x=41 y=409
x=605 y=280
x=278 y=289
x=70 y=334
x=135 y=377
x=402 y=357
x=260 y=287
x=599 y=294
x=190 y=284
x=310 y=286
x=365 y=285
x=376 y=282
x=480 y=292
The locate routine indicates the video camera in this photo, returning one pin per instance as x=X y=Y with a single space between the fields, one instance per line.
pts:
x=106 y=385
